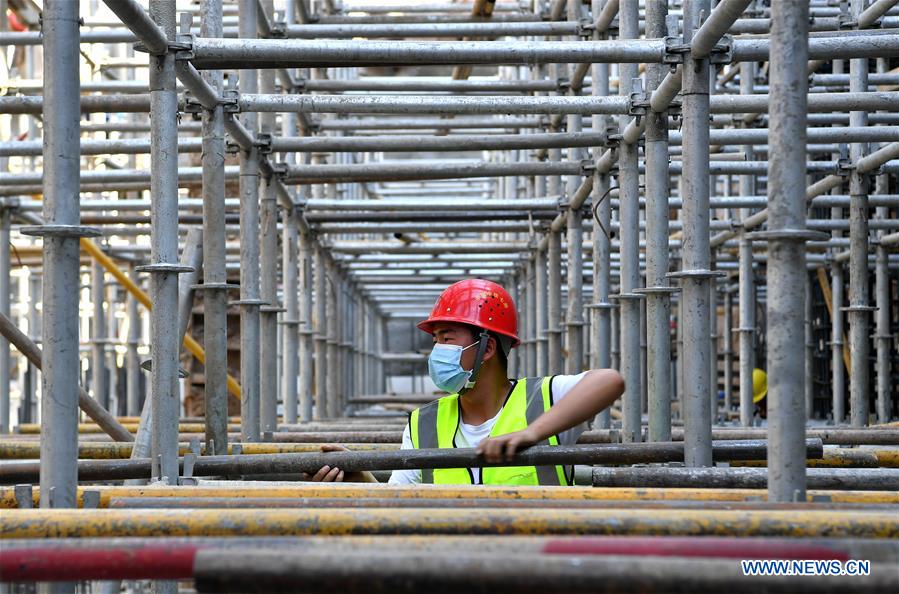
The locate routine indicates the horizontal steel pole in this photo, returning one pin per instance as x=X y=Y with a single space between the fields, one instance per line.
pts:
x=273 y=53
x=824 y=48
x=442 y=104
x=89 y=104
x=126 y=558
x=16 y=472
x=435 y=247
x=407 y=123
x=756 y=136
x=412 y=572
x=415 y=84
x=365 y=490
x=225 y=502
x=401 y=205
x=306 y=174
x=435 y=143
x=868 y=479
x=30 y=450
x=241 y=522
x=816 y=102
x=365 y=217
x=847 y=458
x=486 y=29
x=116 y=176
x=124 y=146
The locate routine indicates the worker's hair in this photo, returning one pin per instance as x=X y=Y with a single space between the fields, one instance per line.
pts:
x=503 y=344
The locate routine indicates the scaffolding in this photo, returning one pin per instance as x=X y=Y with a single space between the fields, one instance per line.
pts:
x=243 y=204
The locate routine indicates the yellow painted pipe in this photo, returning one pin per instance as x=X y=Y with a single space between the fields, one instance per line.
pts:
x=843 y=458
x=189 y=343
x=63 y=523
x=367 y=490
x=31 y=450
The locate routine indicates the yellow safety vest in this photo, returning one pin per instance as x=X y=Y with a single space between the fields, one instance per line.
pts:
x=434 y=425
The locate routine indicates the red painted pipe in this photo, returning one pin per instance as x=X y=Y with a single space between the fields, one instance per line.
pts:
x=53 y=564
x=668 y=546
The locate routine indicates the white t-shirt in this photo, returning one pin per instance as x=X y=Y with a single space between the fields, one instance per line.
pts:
x=469 y=436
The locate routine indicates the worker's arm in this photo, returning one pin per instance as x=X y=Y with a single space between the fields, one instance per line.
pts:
x=596 y=391
x=327 y=474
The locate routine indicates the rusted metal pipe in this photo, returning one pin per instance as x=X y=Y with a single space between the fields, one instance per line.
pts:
x=31 y=523
x=388 y=502
x=8 y=498
x=349 y=461
x=868 y=479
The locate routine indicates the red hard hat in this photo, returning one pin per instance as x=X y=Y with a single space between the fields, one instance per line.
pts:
x=478 y=302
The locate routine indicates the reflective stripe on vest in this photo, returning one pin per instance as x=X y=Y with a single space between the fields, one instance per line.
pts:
x=436 y=424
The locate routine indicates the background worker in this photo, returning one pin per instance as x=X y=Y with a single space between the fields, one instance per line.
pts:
x=475 y=325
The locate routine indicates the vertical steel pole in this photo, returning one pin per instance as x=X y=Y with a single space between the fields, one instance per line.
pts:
x=99 y=373
x=746 y=281
x=809 y=350
x=696 y=255
x=306 y=331
x=530 y=317
x=5 y=288
x=164 y=340
x=332 y=380
x=554 y=302
x=30 y=391
x=132 y=360
x=859 y=308
x=728 y=351
x=658 y=302
x=249 y=250
x=629 y=237
x=268 y=378
x=321 y=334
x=215 y=276
x=574 y=318
x=786 y=251
x=882 y=333
x=268 y=317
x=602 y=247
x=837 y=282
x=291 y=322
x=542 y=305
x=62 y=156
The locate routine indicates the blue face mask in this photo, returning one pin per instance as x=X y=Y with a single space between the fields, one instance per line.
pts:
x=445 y=368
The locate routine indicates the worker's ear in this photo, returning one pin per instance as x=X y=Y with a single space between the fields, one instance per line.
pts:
x=490 y=352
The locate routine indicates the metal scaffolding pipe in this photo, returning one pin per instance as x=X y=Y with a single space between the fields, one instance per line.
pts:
x=695 y=271
x=272 y=53
x=295 y=463
x=250 y=334
x=870 y=479
x=786 y=252
x=658 y=305
x=374 y=30
x=59 y=412
x=215 y=278
x=436 y=143
x=243 y=522
x=437 y=104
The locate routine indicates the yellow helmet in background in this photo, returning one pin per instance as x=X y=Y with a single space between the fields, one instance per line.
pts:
x=759 y=385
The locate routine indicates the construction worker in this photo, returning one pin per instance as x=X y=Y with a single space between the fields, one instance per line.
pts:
x=475 y=325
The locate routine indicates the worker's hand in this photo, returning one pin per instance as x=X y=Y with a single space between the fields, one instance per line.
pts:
x=329 y=474
x=503 y=447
